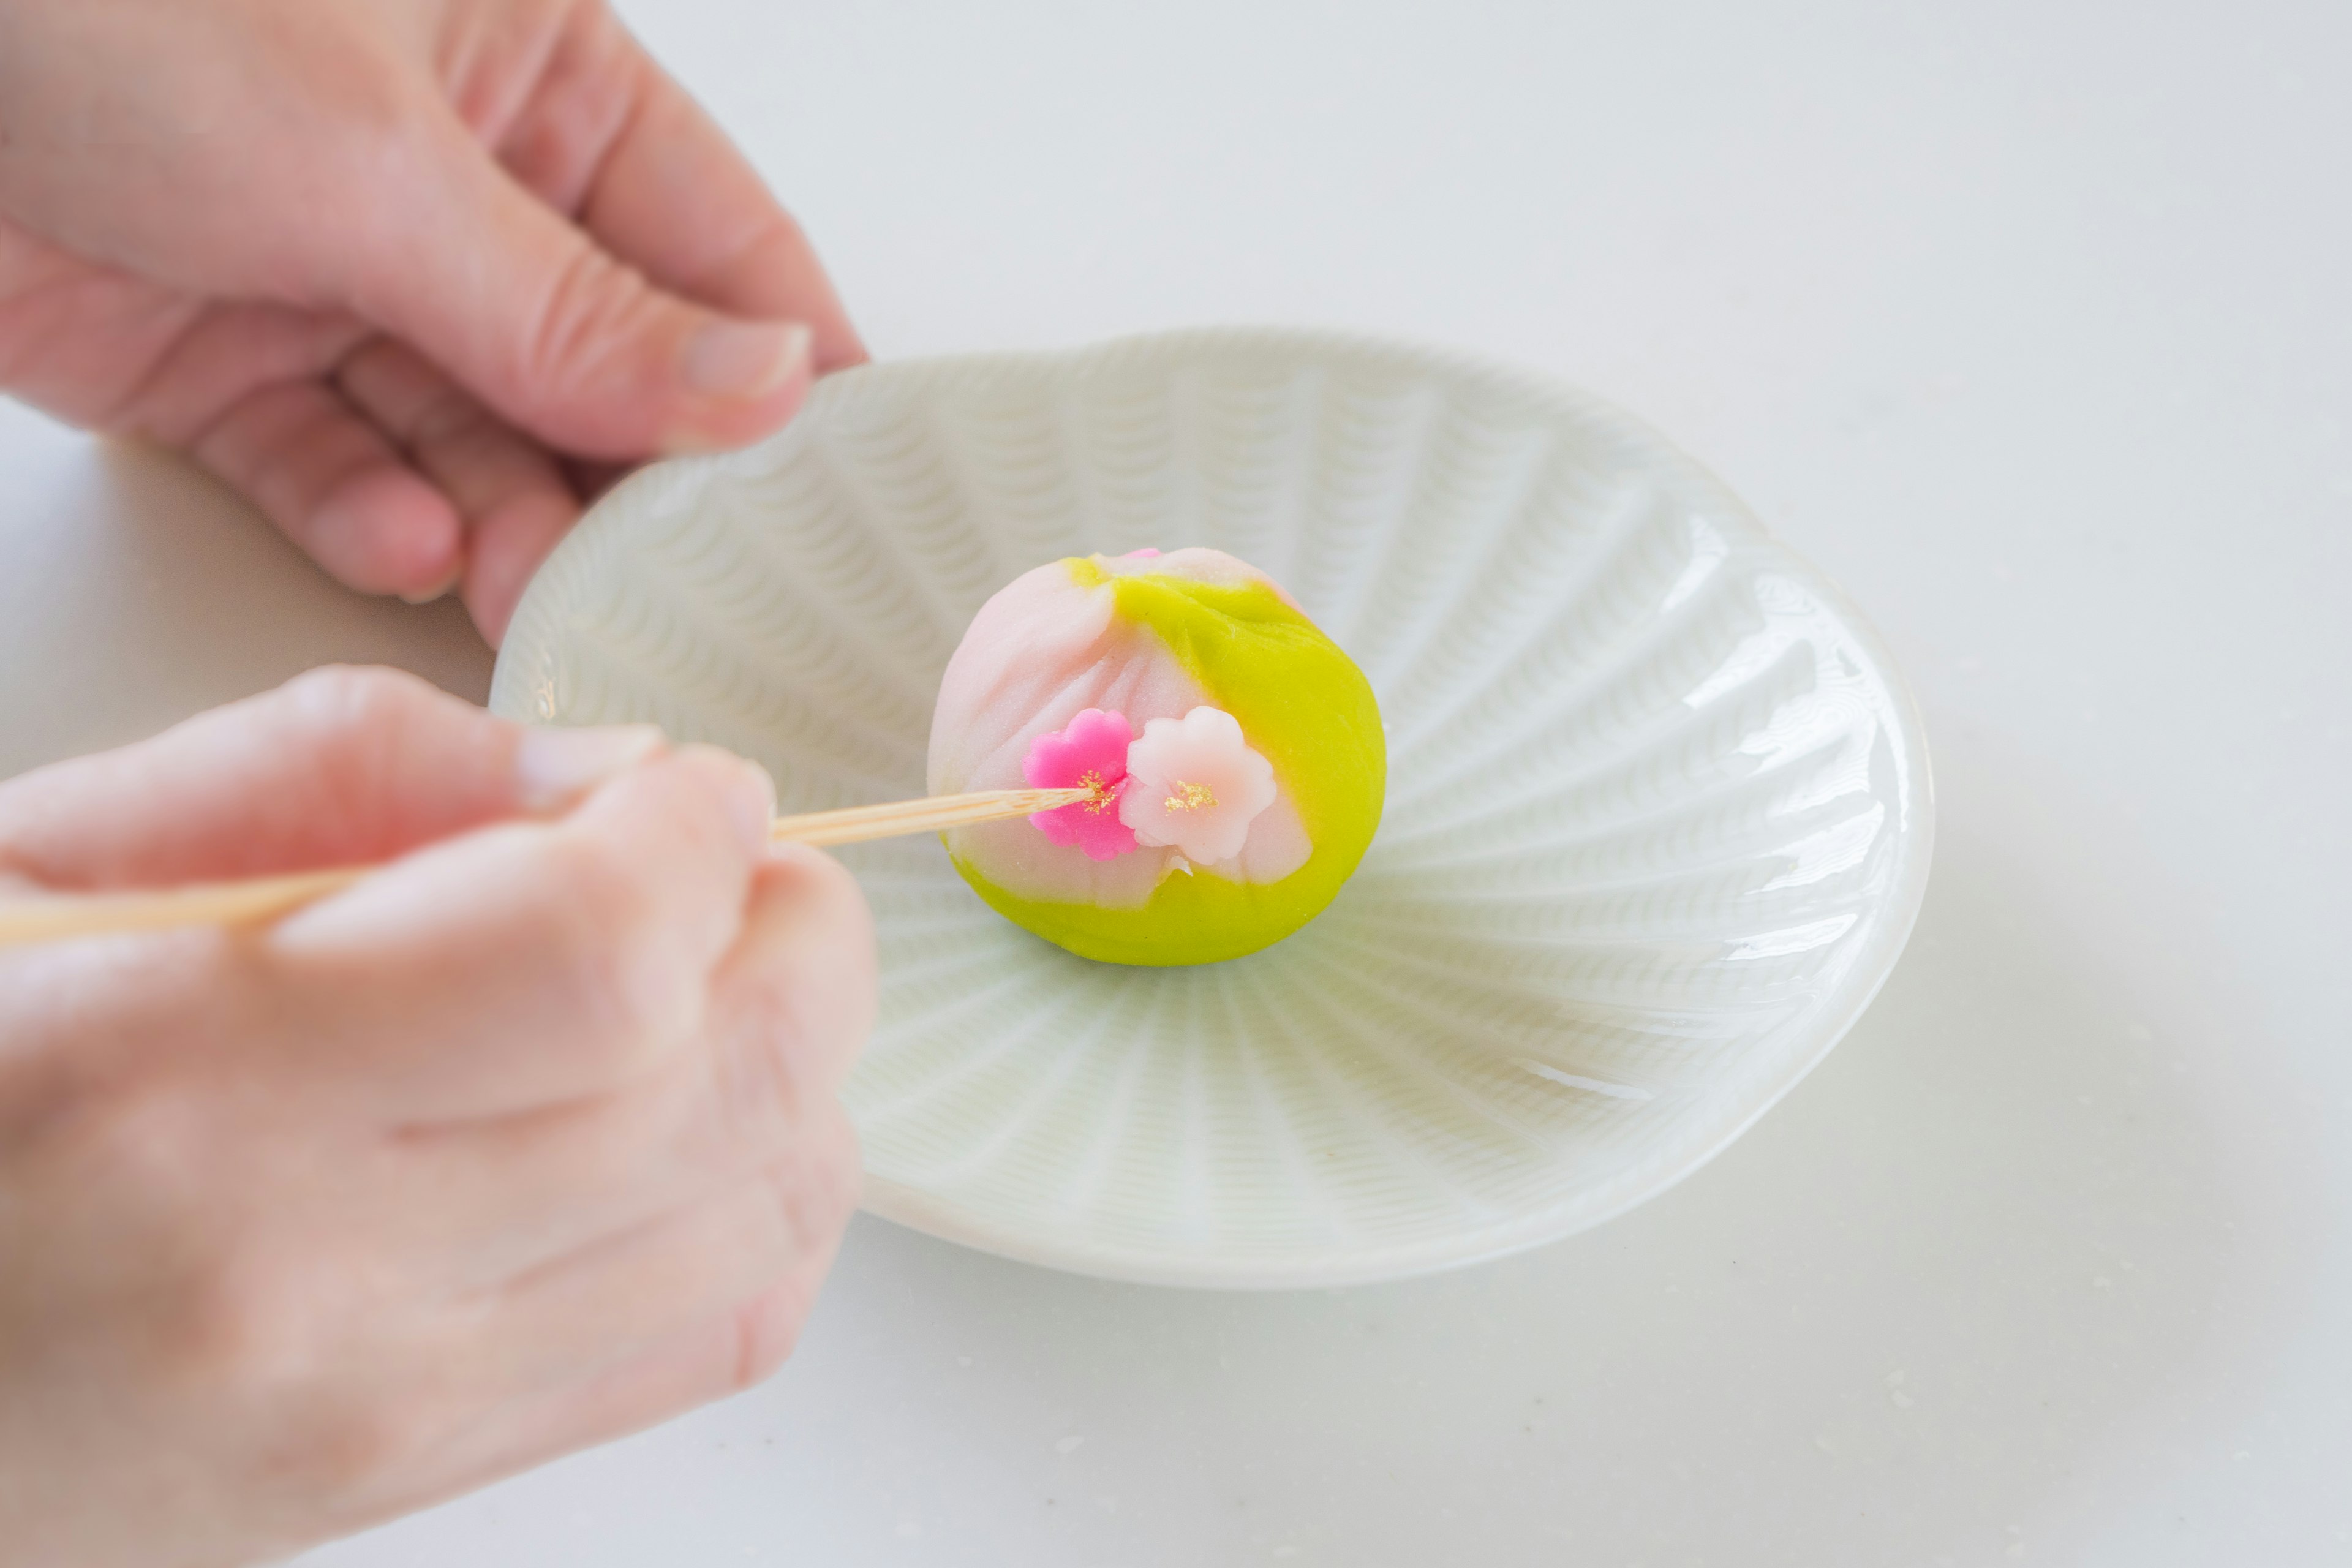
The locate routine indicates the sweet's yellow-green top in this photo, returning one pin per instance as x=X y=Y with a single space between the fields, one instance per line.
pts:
x=1304 y=706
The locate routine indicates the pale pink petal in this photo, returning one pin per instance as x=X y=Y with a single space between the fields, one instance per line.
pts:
x=1196 y=785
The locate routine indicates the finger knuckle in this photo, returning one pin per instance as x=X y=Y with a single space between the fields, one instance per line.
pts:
x=754 y=1104
x=840 y=1172
x=358 y=720
x=809 y=1008
x=239 y=1318
x=766 y=1330
x=816 y=1189
x=358 y=700
x=587 y=317
x=353 y=1443
x=618 y=961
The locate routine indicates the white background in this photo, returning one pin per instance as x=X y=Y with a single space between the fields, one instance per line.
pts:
x=2033 y=324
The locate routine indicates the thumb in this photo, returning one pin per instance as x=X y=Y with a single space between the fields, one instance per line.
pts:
x=560 y=337
x=341 y=766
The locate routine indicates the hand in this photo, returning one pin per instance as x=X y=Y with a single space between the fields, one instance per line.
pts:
x=386 y=266
x=527 y=1141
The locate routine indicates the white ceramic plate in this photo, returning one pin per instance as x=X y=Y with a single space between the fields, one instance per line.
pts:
x=1658 y=821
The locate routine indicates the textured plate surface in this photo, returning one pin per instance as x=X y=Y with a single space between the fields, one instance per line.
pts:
x=1658 y=821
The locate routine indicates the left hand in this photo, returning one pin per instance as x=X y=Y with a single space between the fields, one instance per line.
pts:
x=389 y=266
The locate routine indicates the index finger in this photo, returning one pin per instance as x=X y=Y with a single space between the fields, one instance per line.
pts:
x=337 y=766
x=608 y=136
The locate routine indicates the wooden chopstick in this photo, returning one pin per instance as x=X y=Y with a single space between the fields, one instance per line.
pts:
x=67 y=915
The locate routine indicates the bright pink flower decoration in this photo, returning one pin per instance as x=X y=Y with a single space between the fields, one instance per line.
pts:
x=1090 y=754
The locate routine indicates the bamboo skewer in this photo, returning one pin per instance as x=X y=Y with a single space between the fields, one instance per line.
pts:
x=69 y=915
x=857 y=824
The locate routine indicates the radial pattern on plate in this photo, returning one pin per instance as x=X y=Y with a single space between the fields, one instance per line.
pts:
x=1657 y=823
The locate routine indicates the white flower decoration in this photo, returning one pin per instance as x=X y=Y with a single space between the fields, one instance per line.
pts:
x=1195 y=786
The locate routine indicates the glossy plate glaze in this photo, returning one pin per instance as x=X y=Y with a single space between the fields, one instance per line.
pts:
x=1658 y=824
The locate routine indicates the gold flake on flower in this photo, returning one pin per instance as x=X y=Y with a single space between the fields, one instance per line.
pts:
x=1189 y=798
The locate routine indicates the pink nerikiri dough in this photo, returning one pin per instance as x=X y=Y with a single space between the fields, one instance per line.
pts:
x=1038 y=654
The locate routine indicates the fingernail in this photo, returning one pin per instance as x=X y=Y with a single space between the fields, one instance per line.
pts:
x=745 y=359
x=555 y=766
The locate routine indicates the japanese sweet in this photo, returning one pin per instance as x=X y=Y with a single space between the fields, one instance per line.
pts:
x=1233 y=756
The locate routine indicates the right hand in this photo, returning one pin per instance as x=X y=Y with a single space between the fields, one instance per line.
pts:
x=527 y=1141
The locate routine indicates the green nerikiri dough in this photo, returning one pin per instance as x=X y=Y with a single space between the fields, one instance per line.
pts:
x=1305 y=706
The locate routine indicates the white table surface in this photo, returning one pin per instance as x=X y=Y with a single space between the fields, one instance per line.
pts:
x=2033 y=324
